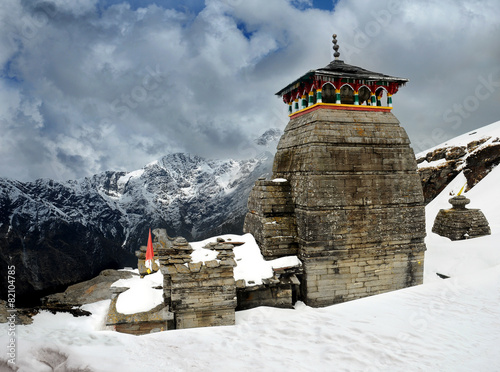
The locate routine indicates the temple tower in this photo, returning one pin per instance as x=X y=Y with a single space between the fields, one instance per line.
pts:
x=346 y=196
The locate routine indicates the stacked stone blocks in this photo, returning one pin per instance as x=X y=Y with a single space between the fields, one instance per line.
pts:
x=195 y=294
x=201 y=294
x=272 y=219
x=459 y=222
x=358 y=204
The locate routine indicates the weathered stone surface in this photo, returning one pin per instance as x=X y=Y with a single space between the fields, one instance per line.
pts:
x=342 y=276
x=437 y=154
x=474 y=160
x=96 y=289
x=471 y=146
x=195 y=267
x=480 y=163
x=458 y=222
x=201 y=294
x=212 y=263
x=204 y=318
x=352 y=196
x=455 y=152
x=274 y=296
x=271 y=218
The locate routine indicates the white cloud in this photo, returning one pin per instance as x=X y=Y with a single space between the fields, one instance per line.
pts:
x=76 y=7
x=90 y=88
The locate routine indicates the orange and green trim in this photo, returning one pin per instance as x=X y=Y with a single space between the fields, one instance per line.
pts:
x=337 y=96
x=335 y=106
x=319 y=96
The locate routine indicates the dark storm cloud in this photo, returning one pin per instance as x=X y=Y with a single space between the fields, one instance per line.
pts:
x=90 y=85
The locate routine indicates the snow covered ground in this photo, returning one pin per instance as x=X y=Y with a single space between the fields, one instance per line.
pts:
x=445 y=325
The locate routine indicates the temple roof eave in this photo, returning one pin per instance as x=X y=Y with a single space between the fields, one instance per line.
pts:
x=327 y=74
x=295 y=83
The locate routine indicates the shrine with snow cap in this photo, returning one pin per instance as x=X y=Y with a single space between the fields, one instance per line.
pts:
x=345 y=195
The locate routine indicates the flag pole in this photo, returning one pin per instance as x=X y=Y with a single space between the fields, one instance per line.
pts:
x=149 y=254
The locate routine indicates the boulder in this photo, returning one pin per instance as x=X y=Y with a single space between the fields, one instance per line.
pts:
x=93 y=290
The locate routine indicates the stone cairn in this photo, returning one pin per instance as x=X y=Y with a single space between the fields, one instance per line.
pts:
x=200 y=294
x=458 y=222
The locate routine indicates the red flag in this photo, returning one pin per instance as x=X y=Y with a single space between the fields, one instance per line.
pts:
x=149 y=254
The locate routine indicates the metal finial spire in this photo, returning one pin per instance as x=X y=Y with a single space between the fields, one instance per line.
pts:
x=336 y=53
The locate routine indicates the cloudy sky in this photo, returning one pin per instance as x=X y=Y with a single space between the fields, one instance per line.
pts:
x=94 y=85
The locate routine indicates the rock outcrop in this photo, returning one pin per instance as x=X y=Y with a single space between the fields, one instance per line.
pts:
x=480 y=163
x=476 y=158
x=87 y=292
x=70 y=301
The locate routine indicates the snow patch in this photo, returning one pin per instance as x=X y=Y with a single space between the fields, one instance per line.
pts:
x=435 y=163
x=139 y=298
x=141 y=295
x=126 y=178
x=492 y=130
x=250 y=264
x=200 y=254
x=283 y=262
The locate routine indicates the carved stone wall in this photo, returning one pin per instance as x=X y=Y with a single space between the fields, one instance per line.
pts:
x=358 y=204
x=271 y=218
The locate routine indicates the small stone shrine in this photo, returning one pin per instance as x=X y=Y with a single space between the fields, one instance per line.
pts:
x=200 y=294
x=195 y=294
x=345 y=194
x=458 y=222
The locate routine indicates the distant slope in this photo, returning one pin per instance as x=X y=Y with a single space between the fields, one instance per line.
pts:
x=475 y=153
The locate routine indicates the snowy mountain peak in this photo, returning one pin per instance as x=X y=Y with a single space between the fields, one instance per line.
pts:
x=269 y=137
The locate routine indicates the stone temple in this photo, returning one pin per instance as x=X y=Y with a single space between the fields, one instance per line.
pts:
x=345 y=195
